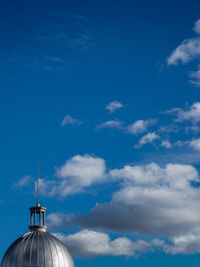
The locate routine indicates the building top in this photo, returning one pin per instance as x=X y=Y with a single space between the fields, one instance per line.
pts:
x=37 y=248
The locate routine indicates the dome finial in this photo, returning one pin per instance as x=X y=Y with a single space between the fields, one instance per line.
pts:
x=38 y=183
x=37 y=212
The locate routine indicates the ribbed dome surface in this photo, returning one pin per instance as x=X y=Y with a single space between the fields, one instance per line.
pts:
x=37 y=249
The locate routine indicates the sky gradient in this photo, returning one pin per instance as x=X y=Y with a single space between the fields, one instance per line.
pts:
x=106 y=94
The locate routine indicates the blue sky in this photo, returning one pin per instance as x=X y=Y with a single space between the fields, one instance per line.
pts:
x=106 y=95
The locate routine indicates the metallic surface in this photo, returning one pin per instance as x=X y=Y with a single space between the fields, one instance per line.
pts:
x=37 y=249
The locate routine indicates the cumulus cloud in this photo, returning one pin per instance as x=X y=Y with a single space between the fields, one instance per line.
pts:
x=87 y=243
x=185 y=244
x=152 y=200
x=148 y=138
x=24 y=181
x=191 y=113
x=113 y=106
x=140 y=126
x=90 y=244
x=69 y=120
x=77 y=174
x=111 y=124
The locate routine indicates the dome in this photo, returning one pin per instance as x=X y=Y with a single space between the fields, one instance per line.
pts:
x=37 y=249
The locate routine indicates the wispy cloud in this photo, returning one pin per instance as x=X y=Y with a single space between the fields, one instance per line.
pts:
x=45 y=63
x=111 y=124
x=187 y=51
x=113 y=106
x=166 y=144
x=149 y=138
x=69 y=120
x=196 y=77
x=195 y=144
x=23 y=182
x=74 y=16
x=190 y=113
x=140 y=126
x=70 y=31
x=54 y=59
x=172 y=128
x=197 y=27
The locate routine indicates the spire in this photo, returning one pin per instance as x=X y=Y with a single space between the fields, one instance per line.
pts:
x=37 y=183
x=37 y=213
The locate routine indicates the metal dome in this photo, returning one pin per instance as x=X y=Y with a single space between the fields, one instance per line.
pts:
x=37 y=249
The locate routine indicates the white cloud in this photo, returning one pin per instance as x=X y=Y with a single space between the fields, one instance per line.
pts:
x=140 y=126
x=188 y=50
x=77 y=174
x=196 y=77
x=90 y=244
x=87 y=168
x=68 y=119
x=148 y=138
x=152 y=200
x=113 y=106
x=191 y=113
x=197 y=27
x=87 y=243
x=111 y=124
x=185 y=52
x=58 y=220
x=24 y=181
x=168 y=128
x=166 y=144
x=195 y=144
x=184 y=244
x=194 y=129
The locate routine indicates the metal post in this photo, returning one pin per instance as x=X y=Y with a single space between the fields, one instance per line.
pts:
x=43 y=218
x=40 y=218
x=37 y=182
x=31 y=218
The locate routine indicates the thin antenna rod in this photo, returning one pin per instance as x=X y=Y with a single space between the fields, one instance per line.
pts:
x=38 y=182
